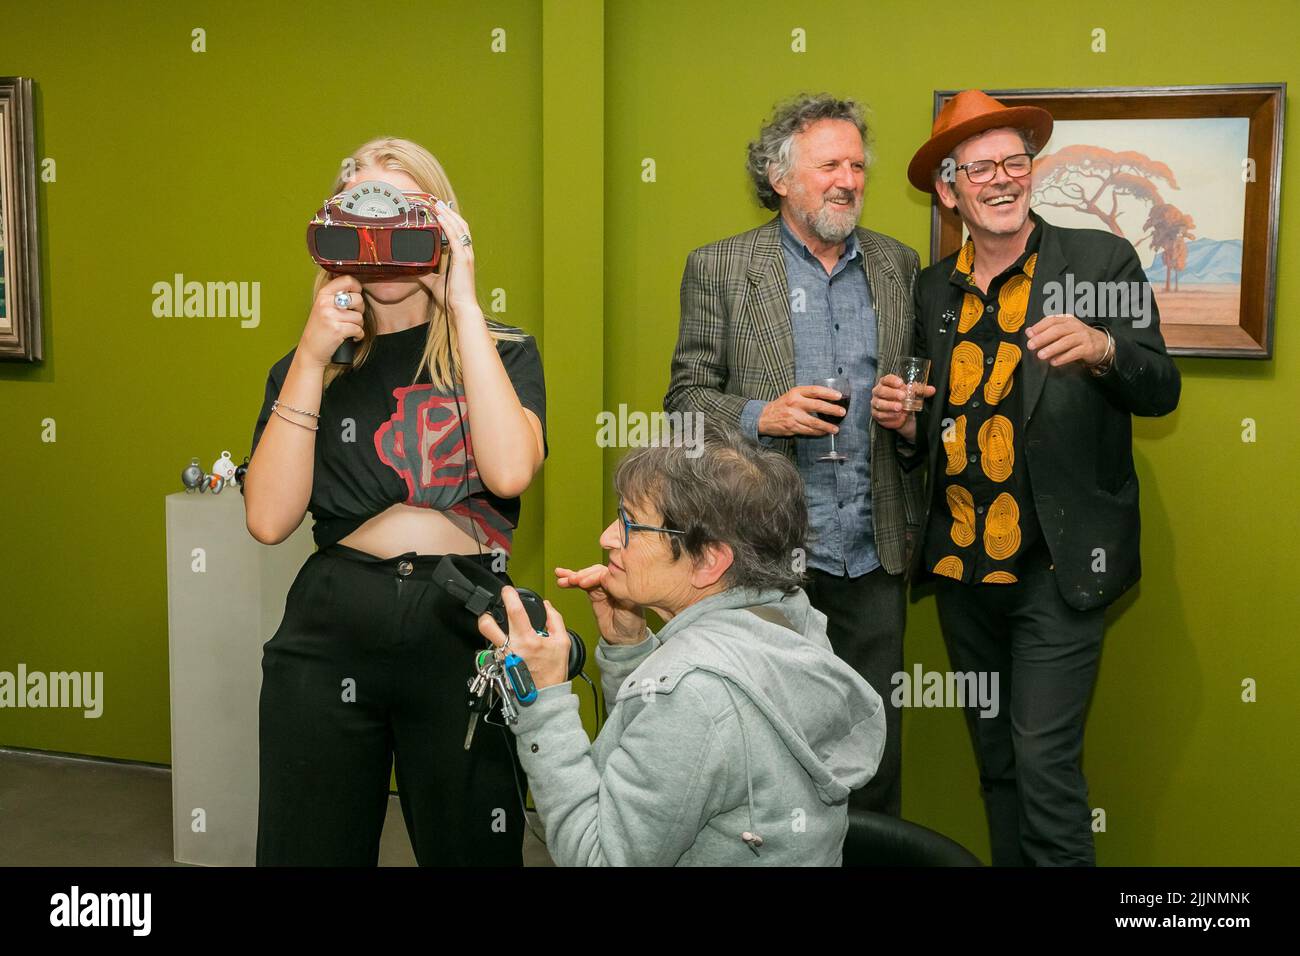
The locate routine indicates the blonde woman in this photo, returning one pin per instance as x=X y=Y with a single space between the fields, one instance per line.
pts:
x=368 y=668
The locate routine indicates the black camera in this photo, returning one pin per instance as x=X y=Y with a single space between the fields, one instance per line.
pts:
x=478 y=590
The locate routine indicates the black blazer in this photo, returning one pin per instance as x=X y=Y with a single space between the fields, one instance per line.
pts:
x=1075 y=431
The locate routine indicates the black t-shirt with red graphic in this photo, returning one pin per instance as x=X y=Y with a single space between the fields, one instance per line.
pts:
x=384 y=440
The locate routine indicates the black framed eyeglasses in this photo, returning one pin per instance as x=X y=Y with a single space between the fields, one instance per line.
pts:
x=629 y=526
x=983 y=170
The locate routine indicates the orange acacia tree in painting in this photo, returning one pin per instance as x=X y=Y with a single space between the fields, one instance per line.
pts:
x=1091 y=180
x=1170 y=228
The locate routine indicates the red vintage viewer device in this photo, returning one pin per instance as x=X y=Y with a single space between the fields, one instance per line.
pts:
x=376 y=229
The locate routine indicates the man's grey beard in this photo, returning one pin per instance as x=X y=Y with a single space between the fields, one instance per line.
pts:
x=829 y=226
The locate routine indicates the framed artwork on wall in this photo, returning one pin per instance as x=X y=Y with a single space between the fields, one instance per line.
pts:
x=1190 y=175
x=20 y=276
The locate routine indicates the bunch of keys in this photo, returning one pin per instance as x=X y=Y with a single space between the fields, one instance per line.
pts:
x=501 y=676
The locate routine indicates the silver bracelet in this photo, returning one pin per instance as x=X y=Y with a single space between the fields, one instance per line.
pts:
x=1102 y=366
x=277 y=403
x=310 y=428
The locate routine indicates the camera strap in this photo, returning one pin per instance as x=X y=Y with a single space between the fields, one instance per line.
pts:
x=454 y=581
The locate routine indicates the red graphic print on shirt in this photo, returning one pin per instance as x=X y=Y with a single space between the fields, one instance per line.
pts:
x=422 y=442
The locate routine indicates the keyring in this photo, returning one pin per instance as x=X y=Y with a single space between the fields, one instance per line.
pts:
x=502 y=651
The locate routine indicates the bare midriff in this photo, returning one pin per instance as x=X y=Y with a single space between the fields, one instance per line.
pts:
x=402 y=528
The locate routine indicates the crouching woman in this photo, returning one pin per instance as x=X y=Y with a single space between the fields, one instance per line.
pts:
x=734 y=734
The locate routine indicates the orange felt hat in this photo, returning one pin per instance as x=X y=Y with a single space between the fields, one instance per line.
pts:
x=968 y=113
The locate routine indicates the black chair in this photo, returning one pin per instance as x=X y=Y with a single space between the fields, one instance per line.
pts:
x=877 y=839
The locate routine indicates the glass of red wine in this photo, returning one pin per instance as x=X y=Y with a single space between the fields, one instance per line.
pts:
x=840 y=385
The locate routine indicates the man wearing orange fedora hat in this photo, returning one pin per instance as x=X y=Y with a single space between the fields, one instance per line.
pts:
x=1031 y=497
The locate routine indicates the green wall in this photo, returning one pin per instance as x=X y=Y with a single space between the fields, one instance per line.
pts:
x=1187 y=773
x=210 y=164
x=545 y=144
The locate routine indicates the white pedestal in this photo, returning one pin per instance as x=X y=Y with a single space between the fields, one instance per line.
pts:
x=218 y=619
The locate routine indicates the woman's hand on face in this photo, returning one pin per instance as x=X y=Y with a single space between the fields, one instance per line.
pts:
x=547 y=656
x=460 y=289
x=620 y=622
x=328 y=325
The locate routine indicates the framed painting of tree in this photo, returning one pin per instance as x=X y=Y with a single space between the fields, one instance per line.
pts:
x=20 y=284
x=1190 y=175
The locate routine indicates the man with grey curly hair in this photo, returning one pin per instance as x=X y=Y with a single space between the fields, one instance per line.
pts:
x=768 y=318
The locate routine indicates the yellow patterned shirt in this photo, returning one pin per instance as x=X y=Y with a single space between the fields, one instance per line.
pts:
x=982 y=517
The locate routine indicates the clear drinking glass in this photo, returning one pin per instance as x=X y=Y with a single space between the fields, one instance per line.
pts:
x=915 y=373
x=840 y=385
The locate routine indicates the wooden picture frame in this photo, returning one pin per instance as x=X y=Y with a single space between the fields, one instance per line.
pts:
x=20 y=270
x=1200 y=320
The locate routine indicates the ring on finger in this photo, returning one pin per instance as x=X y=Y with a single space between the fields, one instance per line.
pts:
x=343 y=300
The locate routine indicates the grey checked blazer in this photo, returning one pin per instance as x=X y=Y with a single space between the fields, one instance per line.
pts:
x=735 y=344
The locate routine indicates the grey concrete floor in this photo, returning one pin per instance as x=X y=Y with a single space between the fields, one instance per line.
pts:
x=60 y=810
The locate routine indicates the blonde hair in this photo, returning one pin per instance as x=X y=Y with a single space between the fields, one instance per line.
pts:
x=441 y=354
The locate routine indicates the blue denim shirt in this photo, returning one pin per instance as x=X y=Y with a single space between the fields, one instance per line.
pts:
x=834 y=330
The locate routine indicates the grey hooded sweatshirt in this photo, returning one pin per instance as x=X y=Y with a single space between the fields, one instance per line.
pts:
x=724 y=723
